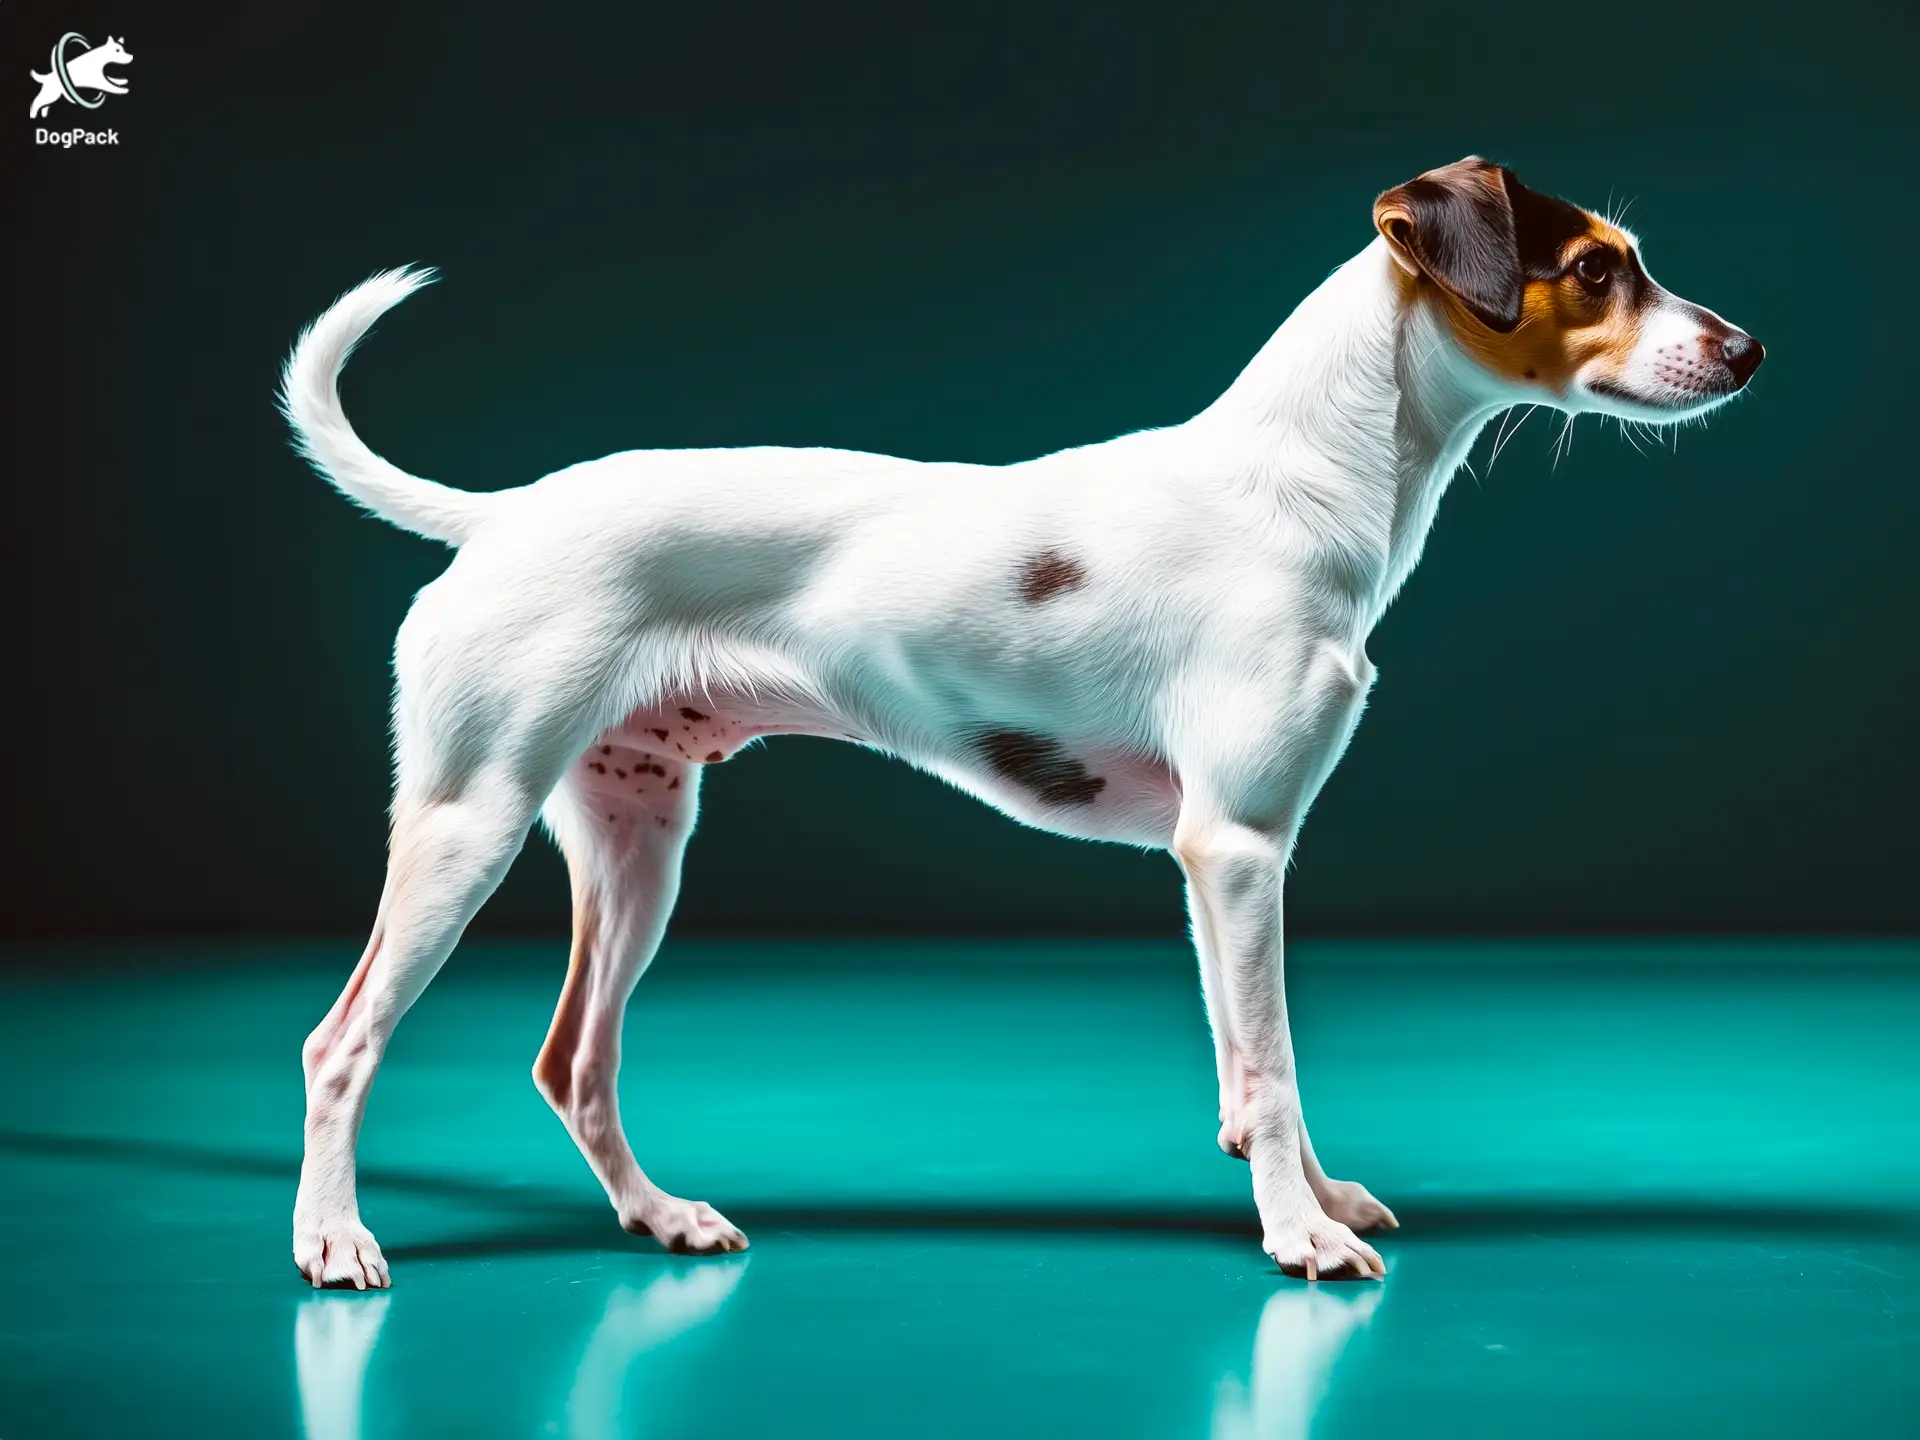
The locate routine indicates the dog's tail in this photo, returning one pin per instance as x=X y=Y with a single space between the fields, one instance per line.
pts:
x=310 y=399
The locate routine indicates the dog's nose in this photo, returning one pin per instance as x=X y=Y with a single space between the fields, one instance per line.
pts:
x=1743 y=355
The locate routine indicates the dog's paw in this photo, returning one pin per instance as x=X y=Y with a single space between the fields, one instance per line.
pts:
x=1354 y=1206
x=339 y=1253
x=686 y=1227
x=1318 y=1247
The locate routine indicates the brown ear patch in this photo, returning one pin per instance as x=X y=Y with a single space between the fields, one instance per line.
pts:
x=1563 y=328
x=1456 y=225
x=1497 y=255
x=1480 y=236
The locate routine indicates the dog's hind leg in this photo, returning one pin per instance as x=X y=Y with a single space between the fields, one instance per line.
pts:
x=447 y=856
x=488 y=710
x=623 y=819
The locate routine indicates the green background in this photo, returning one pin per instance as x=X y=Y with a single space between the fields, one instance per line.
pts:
x=1670 y=691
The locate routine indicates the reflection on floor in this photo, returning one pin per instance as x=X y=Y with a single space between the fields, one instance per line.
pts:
x=1646 y=1189
x=635 y=1324
x=1301 y=1333
x=331 y=1347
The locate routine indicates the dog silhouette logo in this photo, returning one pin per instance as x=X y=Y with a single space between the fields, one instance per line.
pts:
x=70 y=74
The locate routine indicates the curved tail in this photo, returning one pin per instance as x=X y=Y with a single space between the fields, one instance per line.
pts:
x=310 y=399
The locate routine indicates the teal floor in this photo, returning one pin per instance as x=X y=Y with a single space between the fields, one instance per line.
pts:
x=1646 y=1189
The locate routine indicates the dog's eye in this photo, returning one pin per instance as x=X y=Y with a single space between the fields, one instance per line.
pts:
x=1594 y=268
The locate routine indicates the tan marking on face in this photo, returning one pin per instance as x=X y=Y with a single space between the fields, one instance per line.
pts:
x=1563 y=326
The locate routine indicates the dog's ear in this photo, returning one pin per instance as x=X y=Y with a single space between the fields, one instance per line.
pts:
x=1455 y=226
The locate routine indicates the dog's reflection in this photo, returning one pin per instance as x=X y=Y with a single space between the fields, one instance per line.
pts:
x=1303 y=1330
x=334 y=1337
x=635 y=1322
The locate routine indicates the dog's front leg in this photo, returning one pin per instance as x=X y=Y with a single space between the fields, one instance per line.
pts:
x=1347 y=1201
x=1234 y=885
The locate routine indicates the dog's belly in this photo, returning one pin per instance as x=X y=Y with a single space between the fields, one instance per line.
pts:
x=1090 y=790
x=710 y=727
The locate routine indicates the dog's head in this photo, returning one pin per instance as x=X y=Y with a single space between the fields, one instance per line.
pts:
x=113 y=52
x=1552 y=302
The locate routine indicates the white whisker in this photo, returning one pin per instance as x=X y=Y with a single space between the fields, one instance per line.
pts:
x=1563 y=443
x=1505 y=437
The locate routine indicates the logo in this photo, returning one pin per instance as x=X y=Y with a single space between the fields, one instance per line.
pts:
x=77 y=71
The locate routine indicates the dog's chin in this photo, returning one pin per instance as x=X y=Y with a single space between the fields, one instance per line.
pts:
x=1669 y=405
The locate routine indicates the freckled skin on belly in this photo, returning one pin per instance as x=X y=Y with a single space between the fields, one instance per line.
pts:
x=1087 y=790
x=678 y=729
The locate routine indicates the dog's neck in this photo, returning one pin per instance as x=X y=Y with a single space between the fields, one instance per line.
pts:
x=1351 y=420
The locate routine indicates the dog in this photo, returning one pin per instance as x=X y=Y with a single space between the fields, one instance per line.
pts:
x=1158 y=640
x=86 y=71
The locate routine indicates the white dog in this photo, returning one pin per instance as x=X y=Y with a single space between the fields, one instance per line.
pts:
x=1158 y=640
x=86 y=71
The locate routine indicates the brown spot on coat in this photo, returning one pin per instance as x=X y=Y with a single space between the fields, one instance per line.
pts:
x=1048 y=574
x=1040 y=764
x=660 y=734
x=715 y=758
x=687 y=712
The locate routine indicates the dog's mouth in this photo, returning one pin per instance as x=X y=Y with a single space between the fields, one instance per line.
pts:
x=1676 y=400
x=1671 y=382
